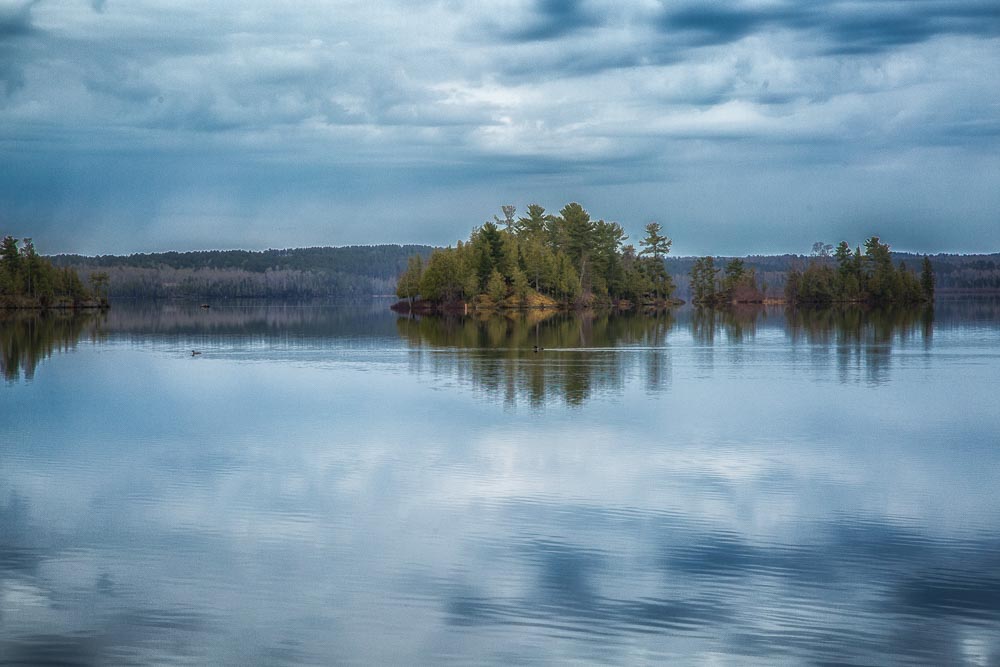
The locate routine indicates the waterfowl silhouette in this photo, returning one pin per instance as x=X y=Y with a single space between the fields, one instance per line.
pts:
x=195 y=353
x=539 y=349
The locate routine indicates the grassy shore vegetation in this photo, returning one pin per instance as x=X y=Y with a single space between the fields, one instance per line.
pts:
x=868 y=277
x=28 y=280
x=541 y=260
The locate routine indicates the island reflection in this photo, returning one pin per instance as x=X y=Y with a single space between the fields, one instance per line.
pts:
x=582 y=354
x=539 y=357
x=863 y=340
x=542 y=356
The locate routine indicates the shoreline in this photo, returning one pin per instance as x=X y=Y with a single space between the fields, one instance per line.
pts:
x=35 y=305
x=424 y=307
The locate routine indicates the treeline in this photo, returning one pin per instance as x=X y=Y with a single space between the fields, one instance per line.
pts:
x=557 y=265
x=967 y=272
x=166 y=282
x=542 y=259
x=852 y=276
x=300 y=273
x=28 y=280
x=953 y=273
x=832 y=276
x=736 y=284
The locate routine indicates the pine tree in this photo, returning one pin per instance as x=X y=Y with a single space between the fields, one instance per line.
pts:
x=655 y=244
x=927 y=280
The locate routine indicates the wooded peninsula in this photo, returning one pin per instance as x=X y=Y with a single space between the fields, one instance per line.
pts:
x=28 y=280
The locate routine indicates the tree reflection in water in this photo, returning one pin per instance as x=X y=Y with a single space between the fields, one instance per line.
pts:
x=26 y=338
x=862 y=338
x=739 y=323
x=589 y=353
x=577 y=355
x=582 y=354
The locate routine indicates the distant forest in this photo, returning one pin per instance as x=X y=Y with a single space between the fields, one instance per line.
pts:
x=300 y=273
x=362 y=271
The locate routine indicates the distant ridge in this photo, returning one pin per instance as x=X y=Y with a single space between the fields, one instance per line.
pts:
x=315 y=272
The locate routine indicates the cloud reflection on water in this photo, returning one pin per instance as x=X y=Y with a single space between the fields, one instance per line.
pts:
x=757 y=507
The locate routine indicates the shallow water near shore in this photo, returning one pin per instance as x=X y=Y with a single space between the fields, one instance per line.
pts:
x=331 y=483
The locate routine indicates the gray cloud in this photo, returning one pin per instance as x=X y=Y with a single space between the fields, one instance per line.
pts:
x=15 y=27
x=849 y=28
x=15 y=19
x=857 y=111
x=550 y=19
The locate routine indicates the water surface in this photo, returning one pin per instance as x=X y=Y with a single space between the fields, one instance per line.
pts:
x=334 y=484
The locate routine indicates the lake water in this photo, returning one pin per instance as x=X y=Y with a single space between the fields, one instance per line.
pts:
x=334 y=484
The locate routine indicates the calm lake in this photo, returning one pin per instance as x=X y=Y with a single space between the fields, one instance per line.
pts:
x=335 y=484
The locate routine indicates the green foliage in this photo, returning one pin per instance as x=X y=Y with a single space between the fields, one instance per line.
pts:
x=488 y=248
x=496 y=286
x=539 y=262
x=635 y=281
x=735 y=272
x=567 y=283
x=576 y=233
x=28 y=279
x=927 y=279
x=738 y=284
x=10 y=259
x=508 y=217
x=870 y=278
x=408 y=286
x=442 y=280
x=568 y=257
x=519 y=282
x=703 y=283
x=534 y=224
x=814 y=286
x=655 y=244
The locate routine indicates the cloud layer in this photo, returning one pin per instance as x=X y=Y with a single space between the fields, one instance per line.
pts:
x=743 y=127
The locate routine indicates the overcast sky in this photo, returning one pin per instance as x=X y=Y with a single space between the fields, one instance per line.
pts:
x=742 y=127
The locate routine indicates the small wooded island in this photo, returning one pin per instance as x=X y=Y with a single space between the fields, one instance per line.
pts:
x=856 y=277
x=569 y=261
x=541 y=261
x=28 y=280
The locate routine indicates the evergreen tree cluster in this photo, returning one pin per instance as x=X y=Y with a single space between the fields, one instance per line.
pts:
x=852 y=276
x=738 y=284
x=30 y=280
x=568 y=258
